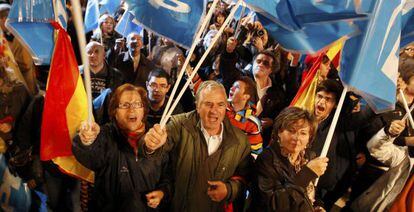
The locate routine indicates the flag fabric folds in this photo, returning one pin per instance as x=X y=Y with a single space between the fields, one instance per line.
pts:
x=309 y=26
x=305 y=97
x=128 y=24
x=109 y=6
x=64 y=108
x=312 y=38
x=176 y=20
x=369 y=64
x=36 y=35
x=407 y=33
x=91 y=15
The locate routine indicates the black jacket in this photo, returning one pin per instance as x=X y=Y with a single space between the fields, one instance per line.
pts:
x=341 y=167
x=122 y=178
x=137 y=77
x=278 y=187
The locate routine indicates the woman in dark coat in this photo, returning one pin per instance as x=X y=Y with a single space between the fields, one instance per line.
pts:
x=124 y=181
x=285 y=170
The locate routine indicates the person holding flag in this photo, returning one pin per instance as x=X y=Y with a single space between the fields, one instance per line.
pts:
x=125 y=180
x=336 y=180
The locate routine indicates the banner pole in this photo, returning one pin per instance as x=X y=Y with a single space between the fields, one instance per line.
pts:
x=333 y=126
x=77 y=19
x=215 y=39
x=190 y=53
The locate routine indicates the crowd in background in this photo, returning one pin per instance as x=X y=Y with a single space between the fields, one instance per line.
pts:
x=233 y=144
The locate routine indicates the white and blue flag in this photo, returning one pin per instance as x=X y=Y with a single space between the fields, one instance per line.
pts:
x=91 y=15
x=369 y=62
x=407 y=33
x=30 y=21
x=177 y=20
x=109 y=6
x=128 y=24
x=308 y=26
x=311 y=38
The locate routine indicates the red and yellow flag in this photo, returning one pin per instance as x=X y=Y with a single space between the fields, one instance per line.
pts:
x=305 y=97
x=64 y=109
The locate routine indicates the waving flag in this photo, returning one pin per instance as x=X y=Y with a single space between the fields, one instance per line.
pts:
x=176 y=20
x=15 y=195
x=370 y=60
x=109 y=6
x=29 y=22
x=128 y=24
x=407 y=33
x=312 y=38
x=91 y=15
x=65 y=107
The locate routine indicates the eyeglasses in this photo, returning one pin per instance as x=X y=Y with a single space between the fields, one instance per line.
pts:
x=158 y=86
x=327 y=98
x=130 y=105
x=264 y=62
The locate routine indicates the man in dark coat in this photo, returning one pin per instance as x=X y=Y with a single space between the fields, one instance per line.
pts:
x=132 y=63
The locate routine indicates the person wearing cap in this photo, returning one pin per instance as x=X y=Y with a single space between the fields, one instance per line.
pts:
x=133 y=64
x=22 y=56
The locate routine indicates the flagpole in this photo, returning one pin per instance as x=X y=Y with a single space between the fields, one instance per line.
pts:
x=190 y=53
x=410 y=118
x=333 y=126
x=214 y=41
x=77 y=19
x=237 y=29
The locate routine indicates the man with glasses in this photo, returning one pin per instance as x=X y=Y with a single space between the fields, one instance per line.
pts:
x=158 y=85
x=342 y=154
x=272 y=96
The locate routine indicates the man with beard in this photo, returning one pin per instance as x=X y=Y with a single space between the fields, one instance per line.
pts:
x=341 y=168
x=158 y=85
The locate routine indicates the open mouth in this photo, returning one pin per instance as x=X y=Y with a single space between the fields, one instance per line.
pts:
x=132 y=118
x=320 y=108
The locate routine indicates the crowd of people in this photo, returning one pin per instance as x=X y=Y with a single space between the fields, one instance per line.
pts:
x=234 y=143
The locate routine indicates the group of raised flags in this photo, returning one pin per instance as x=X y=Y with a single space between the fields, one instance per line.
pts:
x=374 y=31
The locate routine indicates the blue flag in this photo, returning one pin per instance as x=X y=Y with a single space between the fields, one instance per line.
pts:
x=310 y=39
x=314 y=27
x=128 y=24
x=176 y=20
x=14 y=195
x=109 y=6
x=407 y=33
x=91 y=15
x=30 y=22
x=369 y=62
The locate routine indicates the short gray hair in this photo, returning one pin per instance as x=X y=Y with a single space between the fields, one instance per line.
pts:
x=210 y=85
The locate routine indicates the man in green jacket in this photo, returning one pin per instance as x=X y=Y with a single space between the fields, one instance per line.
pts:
x=210 y=159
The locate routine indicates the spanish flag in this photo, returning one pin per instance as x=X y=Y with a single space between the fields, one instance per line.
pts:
x=64 y=109
x=305 y=98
